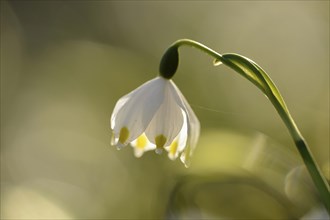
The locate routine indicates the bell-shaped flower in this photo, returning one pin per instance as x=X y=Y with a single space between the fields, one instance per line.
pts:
x=156 y=116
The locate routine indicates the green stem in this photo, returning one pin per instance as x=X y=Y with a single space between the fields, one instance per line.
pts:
x=314 y=170
x=258 y=77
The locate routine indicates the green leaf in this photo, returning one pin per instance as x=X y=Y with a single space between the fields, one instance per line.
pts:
x=254 y=73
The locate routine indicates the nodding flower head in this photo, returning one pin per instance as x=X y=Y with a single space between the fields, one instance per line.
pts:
x=156 y=116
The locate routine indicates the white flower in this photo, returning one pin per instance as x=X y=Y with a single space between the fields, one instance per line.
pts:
x=156 y=116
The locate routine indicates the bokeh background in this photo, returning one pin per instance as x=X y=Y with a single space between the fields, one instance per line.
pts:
x=64 y=64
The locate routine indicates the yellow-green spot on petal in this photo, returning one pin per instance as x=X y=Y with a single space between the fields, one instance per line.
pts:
x=174 y=147
x=123 y=135
x=160 y=141
x=142 y=141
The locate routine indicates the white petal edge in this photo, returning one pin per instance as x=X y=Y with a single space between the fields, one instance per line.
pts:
x=193 y=126
x=136 y=109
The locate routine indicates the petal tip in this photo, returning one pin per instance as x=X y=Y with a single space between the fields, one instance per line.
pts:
x=185 y=159
x=172 y=156
x=119 y=146
x=159 y=151
x=138 y=153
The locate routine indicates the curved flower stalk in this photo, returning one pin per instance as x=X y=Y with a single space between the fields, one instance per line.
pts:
x=156 y=116
x=255 y=74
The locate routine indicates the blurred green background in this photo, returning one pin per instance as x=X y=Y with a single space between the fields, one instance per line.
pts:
x=64 y=64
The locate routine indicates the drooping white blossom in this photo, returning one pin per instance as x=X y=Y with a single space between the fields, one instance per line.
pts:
x=156 y=116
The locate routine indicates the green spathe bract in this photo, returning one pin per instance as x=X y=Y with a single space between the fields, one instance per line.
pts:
x=255 y=74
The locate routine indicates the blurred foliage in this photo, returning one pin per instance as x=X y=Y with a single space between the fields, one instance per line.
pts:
x=64 y=64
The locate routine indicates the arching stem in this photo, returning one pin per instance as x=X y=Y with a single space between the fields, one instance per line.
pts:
x=255 y=74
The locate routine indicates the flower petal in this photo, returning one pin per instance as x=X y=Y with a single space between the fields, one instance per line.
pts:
x=120 y=103
x=193 y=135
x=193 y=126
x=167 y=122
x=179 y=143
x=135 y=110
x=141 y=145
